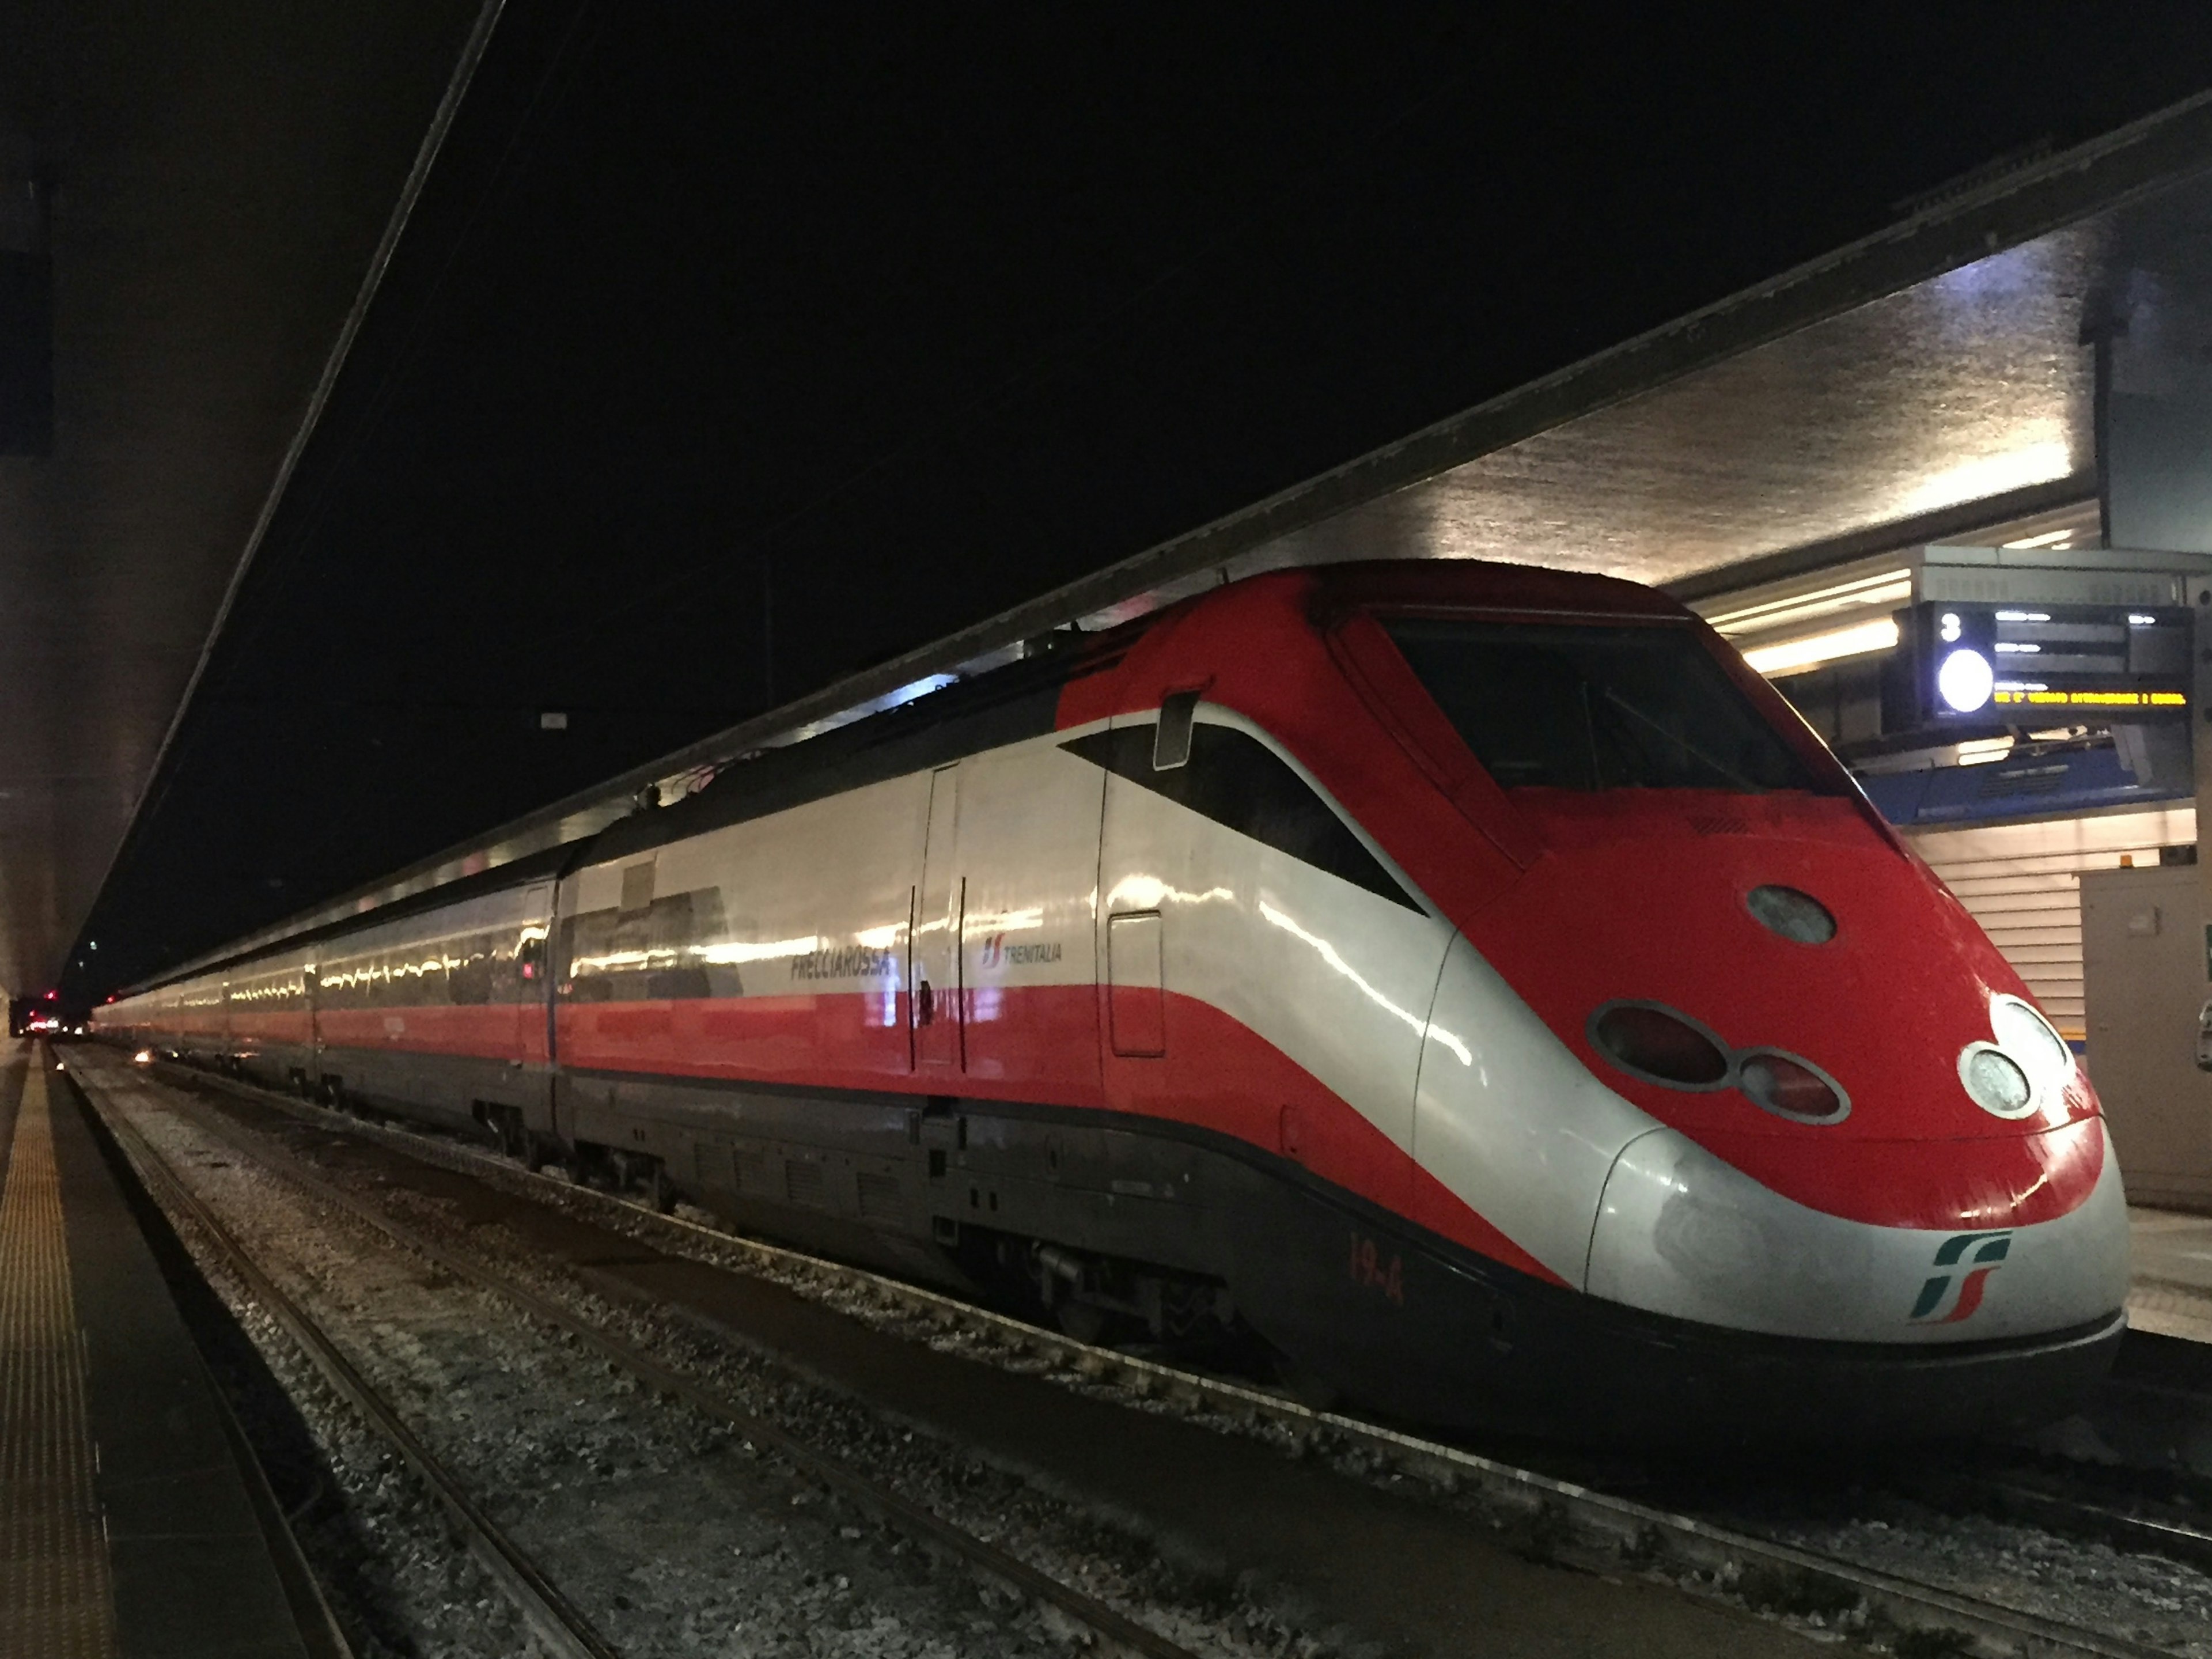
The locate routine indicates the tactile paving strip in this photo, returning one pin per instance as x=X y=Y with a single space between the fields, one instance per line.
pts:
x=55 y=1602
x=2171 y=1311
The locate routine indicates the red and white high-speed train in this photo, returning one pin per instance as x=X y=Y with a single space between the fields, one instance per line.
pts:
x=1473 y=980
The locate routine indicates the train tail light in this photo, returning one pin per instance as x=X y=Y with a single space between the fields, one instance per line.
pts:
x=1659 y=1045
x=1789 y=1087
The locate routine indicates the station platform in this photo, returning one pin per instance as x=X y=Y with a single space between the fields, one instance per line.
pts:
x=133 y=1521
x=2172 y=1294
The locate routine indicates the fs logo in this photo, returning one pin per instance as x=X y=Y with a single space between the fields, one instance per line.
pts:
x=995 y=950
x=1988 y=1254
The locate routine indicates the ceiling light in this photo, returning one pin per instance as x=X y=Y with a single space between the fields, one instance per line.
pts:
x=2048 y=538
x=1887 y=587
x=1790 y=656
x=1980 y=751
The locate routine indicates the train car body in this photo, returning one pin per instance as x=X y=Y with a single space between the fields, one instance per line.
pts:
x=439 y=1012
x=1471 y=979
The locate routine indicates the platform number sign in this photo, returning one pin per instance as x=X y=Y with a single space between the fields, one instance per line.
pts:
x=1986 y=662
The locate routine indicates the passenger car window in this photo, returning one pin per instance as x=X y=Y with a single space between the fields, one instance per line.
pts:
x=645 y=955
x=1237 y=781
x=1570 y=706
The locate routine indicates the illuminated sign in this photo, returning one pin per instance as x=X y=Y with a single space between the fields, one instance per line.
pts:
x=2044 y=697
x=1989 y=663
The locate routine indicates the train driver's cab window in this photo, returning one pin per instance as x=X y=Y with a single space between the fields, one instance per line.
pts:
x=1592 y=706
x=1234 y=779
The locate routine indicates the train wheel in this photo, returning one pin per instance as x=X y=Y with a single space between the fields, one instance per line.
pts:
x=1309 y=1387
x=595 y=1167
x=1081 y=1321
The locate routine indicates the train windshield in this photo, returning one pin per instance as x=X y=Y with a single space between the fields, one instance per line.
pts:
x=1566 y=706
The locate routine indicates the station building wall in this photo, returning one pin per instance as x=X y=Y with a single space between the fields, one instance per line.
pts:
x=2022 y=881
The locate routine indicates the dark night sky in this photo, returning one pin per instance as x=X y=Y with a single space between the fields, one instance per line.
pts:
x=903 y=315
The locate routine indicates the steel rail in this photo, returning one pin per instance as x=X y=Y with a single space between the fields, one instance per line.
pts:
x=2174 y=1538
x=551 y=1617
x=2174 y=1533
x=1613 y=1529
x=1114 y=1632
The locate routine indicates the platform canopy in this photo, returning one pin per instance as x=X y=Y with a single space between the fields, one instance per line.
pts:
x=1926 y=384
x=203 y=189
x=314 y=580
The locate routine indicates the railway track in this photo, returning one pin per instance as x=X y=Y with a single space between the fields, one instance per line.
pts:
x=1578 y=1524
x=552 y=1616
x=555 y=1621
x=2123 y=1521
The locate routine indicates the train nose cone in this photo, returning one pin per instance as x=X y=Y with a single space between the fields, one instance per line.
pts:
x=1681 y=1233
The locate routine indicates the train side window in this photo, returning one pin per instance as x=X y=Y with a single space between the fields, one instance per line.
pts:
x=474 y=980
x=1232 y=778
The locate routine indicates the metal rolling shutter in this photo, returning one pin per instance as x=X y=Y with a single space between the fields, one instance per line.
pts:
x=2022 y=883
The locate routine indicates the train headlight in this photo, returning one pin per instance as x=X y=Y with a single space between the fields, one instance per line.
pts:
x=1659 y=1045
x=2026 y=1037
x=1995 y=1081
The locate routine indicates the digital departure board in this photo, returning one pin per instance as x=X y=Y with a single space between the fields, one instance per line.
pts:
x=2022 y=663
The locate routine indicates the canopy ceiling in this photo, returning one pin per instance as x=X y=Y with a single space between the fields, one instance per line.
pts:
x=224 y=171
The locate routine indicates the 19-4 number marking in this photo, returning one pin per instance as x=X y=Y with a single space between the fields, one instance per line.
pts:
x=1371 y=1270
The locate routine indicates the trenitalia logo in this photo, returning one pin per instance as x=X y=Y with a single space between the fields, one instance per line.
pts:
x=997 y=953
x=1988 y=1254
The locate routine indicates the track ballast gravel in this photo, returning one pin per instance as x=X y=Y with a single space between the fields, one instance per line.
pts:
x=673 y=1534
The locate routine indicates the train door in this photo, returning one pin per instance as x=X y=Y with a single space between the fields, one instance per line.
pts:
x=938 y=1009
x=1029 y=953
x=542 y=961
x=532 y=1034
x=310 y=1039
x=1143 y=863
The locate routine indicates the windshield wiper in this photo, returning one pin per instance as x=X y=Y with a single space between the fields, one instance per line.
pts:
x=1681 y=742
